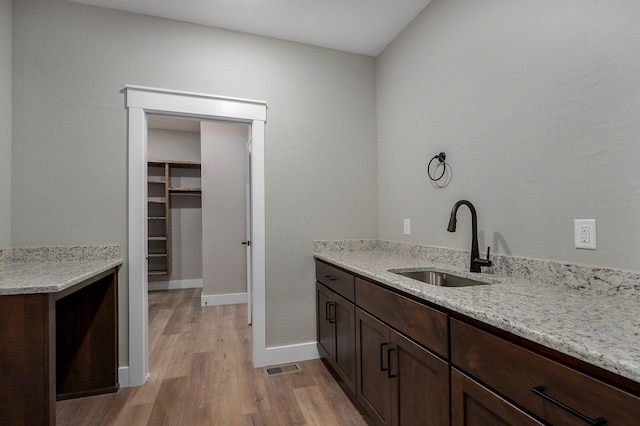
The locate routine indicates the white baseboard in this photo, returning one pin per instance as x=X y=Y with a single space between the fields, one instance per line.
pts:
x=123 y=377
x=174 y=284
x=273 y=356
x=291 y=353
x=223 y=299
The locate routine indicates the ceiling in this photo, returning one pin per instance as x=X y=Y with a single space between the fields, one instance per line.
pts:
x=357 y=26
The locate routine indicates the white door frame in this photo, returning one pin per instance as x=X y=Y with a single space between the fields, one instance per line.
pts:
x=140 y=101
x=247 y=195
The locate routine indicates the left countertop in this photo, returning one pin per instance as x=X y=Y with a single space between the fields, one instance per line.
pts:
x=52 y=269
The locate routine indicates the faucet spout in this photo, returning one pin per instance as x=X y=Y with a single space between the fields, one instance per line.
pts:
x=476 y=262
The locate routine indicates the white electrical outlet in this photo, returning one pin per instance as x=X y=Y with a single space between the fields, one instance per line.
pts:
x=407 y=227
x=585 y=234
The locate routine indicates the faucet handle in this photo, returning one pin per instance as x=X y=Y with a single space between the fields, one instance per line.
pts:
x=489 y=262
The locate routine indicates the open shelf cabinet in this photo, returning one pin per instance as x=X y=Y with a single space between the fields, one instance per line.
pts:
x=164 y=180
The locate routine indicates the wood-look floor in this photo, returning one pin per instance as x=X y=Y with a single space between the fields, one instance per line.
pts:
x=202 y=374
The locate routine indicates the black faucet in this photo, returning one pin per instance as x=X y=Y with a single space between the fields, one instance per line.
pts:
x=476 y=262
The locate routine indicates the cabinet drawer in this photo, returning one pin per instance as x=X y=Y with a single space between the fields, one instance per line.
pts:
x=473 y=404
x=423 y=324
x=336 y=279
x=516 y=372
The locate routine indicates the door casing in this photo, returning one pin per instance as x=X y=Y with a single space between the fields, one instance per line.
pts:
x=140 y=101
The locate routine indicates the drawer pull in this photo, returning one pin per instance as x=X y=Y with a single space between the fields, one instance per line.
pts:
x=382 y=367
x=539 y=390
x=331 y=278
x=389 y=375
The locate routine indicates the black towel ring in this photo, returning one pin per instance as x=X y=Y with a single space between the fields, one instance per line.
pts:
x=440 y=157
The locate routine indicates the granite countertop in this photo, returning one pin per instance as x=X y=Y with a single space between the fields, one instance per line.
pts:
x=601 y=329
x=53 y=269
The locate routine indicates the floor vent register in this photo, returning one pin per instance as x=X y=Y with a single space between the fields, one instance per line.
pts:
x=282 y=369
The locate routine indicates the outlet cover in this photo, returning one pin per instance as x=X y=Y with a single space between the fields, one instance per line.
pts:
x=585 y=234
x=407 y=227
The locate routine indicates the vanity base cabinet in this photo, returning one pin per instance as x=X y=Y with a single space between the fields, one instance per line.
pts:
x=372 y=355
x=325 y=329
x=399 y=382
x=474 y=405
x=413 y=363
x=336 y=323
x=344 y=351
x=336 y=334
x=420 y=384
x=556 y=393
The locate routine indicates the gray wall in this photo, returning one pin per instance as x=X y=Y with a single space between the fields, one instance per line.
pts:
x=223 y=208
x=537 y=105
x=186 y=211
x=69 y=175
x=5 y=123
x=177 y=145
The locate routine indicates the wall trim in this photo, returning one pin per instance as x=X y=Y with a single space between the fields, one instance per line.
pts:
x=175 y=284
x=223 y=299
x=123 y=376
x=292 y=353
x=139 y=101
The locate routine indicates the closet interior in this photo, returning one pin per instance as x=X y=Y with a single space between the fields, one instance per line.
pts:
x=167 y=179
x=174 y=203
x=197 y=177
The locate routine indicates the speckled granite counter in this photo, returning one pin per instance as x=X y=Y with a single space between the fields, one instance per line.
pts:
x=53 y=269
x=599 y=326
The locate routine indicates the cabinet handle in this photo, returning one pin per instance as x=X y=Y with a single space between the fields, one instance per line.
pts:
x=332 y=318
x=539 y=390
x=389 y=375
x=382 y=368
x=327 y=317
x=331 y=278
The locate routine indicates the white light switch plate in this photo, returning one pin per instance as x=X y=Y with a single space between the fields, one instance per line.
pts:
x=407 y=227
x=585 y=234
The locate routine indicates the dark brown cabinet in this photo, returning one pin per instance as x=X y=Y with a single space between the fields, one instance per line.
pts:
x=325 y=328
x=57 y=346
x=336 y=334
x=474 y=405
x=556 y=393
x=420 y=393
x=372 y=354
x=399 y=382
x=411 y=363
x=336 y=322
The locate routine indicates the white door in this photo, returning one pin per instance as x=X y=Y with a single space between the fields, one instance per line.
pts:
x=247 y=184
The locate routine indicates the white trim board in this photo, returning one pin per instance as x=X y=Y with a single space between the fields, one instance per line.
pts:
x=123 y=377
x=140 y=101
x=174 y=284
x=292 y=353
x=223 y=299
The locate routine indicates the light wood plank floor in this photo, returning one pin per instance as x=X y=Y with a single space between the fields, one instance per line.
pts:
x=202 y=374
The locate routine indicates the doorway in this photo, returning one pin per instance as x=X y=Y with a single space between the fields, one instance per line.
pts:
x=139 y=102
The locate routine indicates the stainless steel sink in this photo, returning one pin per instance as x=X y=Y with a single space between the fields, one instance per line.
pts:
x=442 y=279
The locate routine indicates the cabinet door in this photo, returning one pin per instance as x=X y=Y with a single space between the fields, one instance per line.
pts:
x=324 y=326
x=420 y=381
x=373 y=384
x=344 y=356
x=475 y=405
